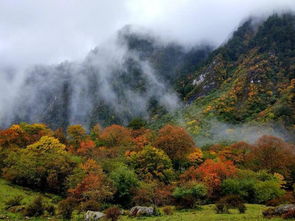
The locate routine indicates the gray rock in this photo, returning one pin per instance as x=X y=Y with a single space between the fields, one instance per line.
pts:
x=279 y=210
x=141 y=211
x=93 y=216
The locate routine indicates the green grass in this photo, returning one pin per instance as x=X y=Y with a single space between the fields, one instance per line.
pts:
x=8 y=191
x=206 y=213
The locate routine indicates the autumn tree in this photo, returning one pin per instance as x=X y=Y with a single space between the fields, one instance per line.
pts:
x=75 y=135
x=86 y=148
x=42 y=165
x=94 y=185
x=152 y=163
x=116 y=135
x=95 y=134
x=175 y=141
x=235 y=152
x=196 y=157
x=272 y=154
x=21 y=135
x=211 y=173
x=60 y=135
x=142 y=137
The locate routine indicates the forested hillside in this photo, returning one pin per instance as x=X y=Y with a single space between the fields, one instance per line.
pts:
x=250 y=79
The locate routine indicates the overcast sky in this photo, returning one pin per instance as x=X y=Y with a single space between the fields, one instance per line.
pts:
x=50 y=31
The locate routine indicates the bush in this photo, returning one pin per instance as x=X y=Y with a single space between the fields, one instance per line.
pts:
x=253 y=187
x=168 y=210
x=230 y=202
x=188 y=196
x=14 y=201
x=287 y=198
x=289 y=215
x=268 y=213
x=35 y=208
x=113 y=213
x=50 y=209
x=66 y=207
x=89 y=205
x=267 y=190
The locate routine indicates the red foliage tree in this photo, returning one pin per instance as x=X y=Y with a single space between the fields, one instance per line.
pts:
x=86 y=148
x=211 y=173
x=94 y=185
x=272 y=154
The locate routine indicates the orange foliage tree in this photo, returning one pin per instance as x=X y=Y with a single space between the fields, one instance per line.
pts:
x=116 y=135
x=21 y=135
x=211 y=173
x=93 y=186
x=175 y=141
x=235 y=152
x=86 y=148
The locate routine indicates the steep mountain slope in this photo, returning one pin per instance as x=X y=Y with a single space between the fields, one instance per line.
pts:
x=251 y=78
x=132 y=76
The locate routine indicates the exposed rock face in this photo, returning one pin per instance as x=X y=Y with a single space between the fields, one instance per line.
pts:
x=141 y=211
x=93 y=216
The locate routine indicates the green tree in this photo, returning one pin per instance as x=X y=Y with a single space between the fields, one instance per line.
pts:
x=125 y=180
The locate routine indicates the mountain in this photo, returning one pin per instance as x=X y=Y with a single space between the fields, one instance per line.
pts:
x=131 y=76
x=249 y=79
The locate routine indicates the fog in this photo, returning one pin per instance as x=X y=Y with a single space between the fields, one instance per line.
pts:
x=47 y=32
x=249 y=132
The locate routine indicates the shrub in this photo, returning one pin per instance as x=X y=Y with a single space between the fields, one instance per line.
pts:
x=66 y=207
x=113 y=213
x=253 y=187
x=287 y=198
x=239 y=186
x=230 y=202
x=89 y=205
x=50 y=209
x=188 y=196
x=168 y=210
x=289 y=215
x=267 y=190
x=268 y=213
x=35 y=208
x=14 y=201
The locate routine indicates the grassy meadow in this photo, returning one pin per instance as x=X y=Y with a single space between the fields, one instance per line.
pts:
x=205 y=213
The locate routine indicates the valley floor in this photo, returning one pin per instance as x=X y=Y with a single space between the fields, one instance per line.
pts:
x=206 y=213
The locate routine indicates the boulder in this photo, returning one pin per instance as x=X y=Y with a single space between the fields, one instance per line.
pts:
x=141 y=211
x=93 y=216
x=282 y=209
